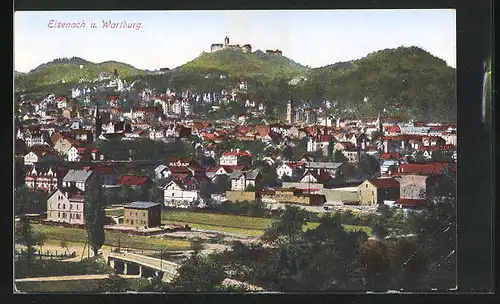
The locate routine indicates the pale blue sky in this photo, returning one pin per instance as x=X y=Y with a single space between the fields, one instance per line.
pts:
x=172 y=38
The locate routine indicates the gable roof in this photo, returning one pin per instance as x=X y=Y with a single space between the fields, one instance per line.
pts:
x=428 y=168
x=142 y=205
x=238 y=152
x=77 y=175
x=382 y=183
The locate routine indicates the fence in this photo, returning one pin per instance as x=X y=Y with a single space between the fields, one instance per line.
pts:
x=23 y=254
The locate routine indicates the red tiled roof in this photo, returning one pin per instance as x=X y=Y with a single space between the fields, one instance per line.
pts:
x=409 y=202
x=62 y=98
x=390 y=155
x=394 y=129
x=428 y=168
x=132 y=180
x=242 y=153
x=99 y=169
x=230 y=169
x=384 y=183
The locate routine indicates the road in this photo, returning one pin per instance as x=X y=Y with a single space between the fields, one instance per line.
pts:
x=75 y=277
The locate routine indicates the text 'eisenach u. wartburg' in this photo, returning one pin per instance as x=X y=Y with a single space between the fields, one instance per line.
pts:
x=107 y=24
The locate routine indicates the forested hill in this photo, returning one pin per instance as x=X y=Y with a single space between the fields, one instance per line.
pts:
x=257 y=65
x=70 y=70
x=406 y=81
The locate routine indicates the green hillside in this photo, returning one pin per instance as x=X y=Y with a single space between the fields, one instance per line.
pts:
x=405 y=81
x=236 y=63
x=68 y=69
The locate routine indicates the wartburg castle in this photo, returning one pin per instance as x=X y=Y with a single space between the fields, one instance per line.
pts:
x=246 y=48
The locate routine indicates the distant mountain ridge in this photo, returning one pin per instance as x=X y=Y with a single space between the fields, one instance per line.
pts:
x=71 y=70
x=400 y=81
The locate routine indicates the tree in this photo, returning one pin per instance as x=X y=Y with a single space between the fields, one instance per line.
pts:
x=125 y=193
x=94 y=214
x=222 y=183
x=64 y=244
x=113 y=283
x=369 y=165
x=338 y=157
x=419 y=157
x=24 y=235
x=440 y=156
x=198 y=273
x=250 y=187
x=288 y=228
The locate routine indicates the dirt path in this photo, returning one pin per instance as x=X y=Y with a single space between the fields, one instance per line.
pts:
x=76 y=277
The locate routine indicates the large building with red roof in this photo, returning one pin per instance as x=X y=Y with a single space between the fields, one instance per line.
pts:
x=236 y=157
x=376 y=191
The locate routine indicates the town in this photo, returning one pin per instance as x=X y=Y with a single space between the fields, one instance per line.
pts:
x=239 y=170
x=319 y=164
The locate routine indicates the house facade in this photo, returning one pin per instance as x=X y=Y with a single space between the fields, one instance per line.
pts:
x=376 y=191
x=179 y=193
x=65 y=207
x=78 y=178
x=44 y=179
x=240 y=180
x=236 y=158
x=142 y=214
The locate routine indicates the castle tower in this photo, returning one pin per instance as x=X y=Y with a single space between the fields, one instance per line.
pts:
x=226 y=41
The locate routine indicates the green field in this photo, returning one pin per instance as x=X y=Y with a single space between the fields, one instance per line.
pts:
x=55 y=233
x=253 y=226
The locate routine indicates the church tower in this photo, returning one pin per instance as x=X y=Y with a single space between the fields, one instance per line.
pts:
x=226 y=41
x=98 y=122
x=290 y=113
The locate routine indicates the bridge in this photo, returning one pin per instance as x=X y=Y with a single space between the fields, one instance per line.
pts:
x=134 y=264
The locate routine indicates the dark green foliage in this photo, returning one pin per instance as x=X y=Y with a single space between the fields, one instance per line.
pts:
x=369 y=165
x=47 y=268
x=198 y=273
x=338 y=157
x=29 y=201
x=94 y=214
x=406 y=76
x=144 y=149
x=114 y=283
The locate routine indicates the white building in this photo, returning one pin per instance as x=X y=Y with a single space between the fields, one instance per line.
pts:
x=235 y=158
x=66 y=208
x=179 y=194
x=240 y=180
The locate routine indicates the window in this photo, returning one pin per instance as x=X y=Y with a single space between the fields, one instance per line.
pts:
x=58 y=214
x=64 y=206
x=366 y=185
x=131 y=222
x=71 y=207
x=373 y=192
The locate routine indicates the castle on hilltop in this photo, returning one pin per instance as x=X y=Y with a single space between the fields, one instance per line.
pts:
x=247 y=48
